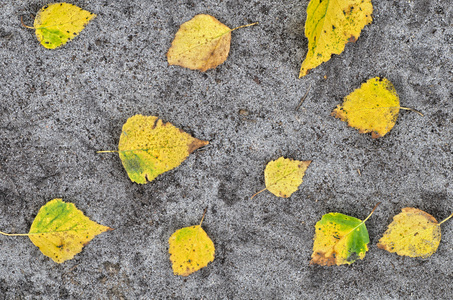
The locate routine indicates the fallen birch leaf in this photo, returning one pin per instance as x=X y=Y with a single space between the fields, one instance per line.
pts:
x=413 y=233
x=330 y=25
x=284 y=176
x=373 y=107
x=149 y=147
x=200 y=44
x=60 y=230
x=340 y=239
x=190 y=249
x=57 y=23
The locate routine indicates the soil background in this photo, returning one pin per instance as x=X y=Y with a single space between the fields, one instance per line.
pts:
x=59 y=107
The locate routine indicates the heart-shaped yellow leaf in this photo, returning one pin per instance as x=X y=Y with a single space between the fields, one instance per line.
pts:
x=190 y=250
x=149 y=147
x=60 y=230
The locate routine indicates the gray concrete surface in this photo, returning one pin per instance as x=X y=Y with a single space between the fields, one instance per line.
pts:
x=59 y=107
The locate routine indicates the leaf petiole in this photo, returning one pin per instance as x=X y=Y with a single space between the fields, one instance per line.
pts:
x=411 y=109
x=243 y=26
x=258 y=193
x=14 y=234
x=371 y=212
x=23 y=24
x=448 y=218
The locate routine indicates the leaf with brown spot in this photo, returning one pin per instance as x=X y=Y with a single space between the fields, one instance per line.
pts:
x=149 y=147
x=339 y=239
x=413 y=233
x=190 y=249
x=330 y=25
x=200 y=44
x=60 y=230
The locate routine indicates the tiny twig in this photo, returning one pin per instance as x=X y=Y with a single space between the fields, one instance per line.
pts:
x=304 y=97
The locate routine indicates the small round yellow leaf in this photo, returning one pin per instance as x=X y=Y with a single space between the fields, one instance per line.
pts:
x=283 y=176
x=190 y=250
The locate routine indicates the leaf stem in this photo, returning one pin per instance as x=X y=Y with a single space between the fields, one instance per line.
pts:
x=446 y=219
x=371 y=212
x=243 y=26
x=411 y=109
x=14 y=234
x=204 y=213
x=108 y=151
x=258 y=193
x=23 y=24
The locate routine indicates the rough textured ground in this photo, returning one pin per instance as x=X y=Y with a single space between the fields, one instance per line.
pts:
x=59 y=107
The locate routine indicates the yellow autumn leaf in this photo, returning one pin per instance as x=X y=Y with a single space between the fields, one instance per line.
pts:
x=190 y=250
x=340 y=239
x=60 y=230
x=413 y=233
x=57 y=23
x=330 y=25
x=374 y=107
x=284 y=176
x=149 y=147
x=200 y=44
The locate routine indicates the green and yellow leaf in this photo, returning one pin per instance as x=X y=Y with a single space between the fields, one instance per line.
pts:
x=413 y=233
x=57 y=23
x=60 y=230
x=284 y=176
x=330 y=25
x=200 y=44
x=149 y=147
x=374 y=107
x=190 y=250
x=339 y=239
